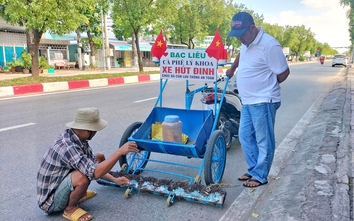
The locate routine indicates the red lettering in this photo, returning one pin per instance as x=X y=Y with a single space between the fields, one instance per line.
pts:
x=204 y=71
x=167 y=70
x=182 y=70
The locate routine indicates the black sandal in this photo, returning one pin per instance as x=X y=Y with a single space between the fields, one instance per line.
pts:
x=244 y=179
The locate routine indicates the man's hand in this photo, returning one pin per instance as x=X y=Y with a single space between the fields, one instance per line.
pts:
x=104 y=166
x=124 y=181
x=229 y=73
x=121 y=180
x=128 y=147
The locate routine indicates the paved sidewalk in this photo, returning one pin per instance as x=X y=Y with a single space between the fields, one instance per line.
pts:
x=311 y=177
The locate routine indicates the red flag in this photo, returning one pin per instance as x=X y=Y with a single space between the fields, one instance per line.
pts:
x=159 y=47
x=223 y=58
x=216 y=48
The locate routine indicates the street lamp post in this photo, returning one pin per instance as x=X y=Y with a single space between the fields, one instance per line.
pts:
x=353 y=46
x=103 y=42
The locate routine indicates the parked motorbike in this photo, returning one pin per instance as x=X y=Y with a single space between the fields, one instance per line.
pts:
x=229 y=116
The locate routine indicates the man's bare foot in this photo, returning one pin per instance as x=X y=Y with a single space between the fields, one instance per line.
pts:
x=76 y=213
x=252 y=182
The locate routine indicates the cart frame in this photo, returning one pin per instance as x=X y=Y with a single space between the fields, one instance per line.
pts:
x=211 y=176
x=205 y=140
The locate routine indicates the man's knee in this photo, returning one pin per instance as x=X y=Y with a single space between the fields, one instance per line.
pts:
x=78 y=178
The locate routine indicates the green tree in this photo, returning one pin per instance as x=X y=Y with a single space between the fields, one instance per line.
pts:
x=327 y=50
x=350 y=16
x=276 y=31
x=39 y=16
x=299 y=39
x=188 y=23
x=132 y=15
x=92 y=26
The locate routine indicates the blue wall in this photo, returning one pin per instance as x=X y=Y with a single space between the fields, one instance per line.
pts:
x=9 y=52
x=2 y=63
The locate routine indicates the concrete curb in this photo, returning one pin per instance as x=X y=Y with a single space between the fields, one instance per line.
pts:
x=71 y=85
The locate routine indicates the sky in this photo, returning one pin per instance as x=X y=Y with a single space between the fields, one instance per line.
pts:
x=326 y=18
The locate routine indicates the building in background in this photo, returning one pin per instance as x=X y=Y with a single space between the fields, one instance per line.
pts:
x=12 y=42
x=63 y=49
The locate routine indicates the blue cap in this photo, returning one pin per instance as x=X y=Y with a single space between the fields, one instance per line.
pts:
x=239 y=24
x=171 y=118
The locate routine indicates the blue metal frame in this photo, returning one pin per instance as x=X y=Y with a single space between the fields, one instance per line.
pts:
x=189 y=95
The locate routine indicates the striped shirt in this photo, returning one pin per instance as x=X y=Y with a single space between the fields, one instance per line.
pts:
x=67 y=154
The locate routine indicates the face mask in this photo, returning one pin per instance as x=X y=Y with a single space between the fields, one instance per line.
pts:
x=92 y=133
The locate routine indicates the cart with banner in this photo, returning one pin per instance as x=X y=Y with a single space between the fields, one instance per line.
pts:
x=200 y=135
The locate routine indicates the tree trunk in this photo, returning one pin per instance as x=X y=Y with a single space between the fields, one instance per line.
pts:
x=92 y=47
x=191 y=43
x=135 y=53
x=33 y=38
x=140 y=63
x=79 y=58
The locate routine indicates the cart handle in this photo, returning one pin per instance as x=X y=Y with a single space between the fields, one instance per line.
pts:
x=190 y=93
x=218 y=107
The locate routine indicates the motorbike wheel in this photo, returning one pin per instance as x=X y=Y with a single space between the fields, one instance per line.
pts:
x=221 y=126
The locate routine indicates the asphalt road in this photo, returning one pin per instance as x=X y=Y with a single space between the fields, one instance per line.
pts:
x=29 y=124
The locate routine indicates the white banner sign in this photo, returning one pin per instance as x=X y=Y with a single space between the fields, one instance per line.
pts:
x=286 y=50
x=188 y=64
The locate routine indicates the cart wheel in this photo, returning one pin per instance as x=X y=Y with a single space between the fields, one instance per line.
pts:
x=221 y=126
x=170 y=200
x=124 y=168
x=215 y=158
x=128 y=193
x=137 y=160
x=197 y=179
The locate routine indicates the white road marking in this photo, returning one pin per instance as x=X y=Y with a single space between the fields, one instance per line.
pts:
x=148 y=99
x=15 y=127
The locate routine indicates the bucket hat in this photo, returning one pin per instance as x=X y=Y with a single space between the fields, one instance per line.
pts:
x=240 y=23
x=87 y=119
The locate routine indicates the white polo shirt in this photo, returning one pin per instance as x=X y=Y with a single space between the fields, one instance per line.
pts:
x=259 y=65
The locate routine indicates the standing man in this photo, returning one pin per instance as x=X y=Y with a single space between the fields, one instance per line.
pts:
x=261 y=68
x=69 y=165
